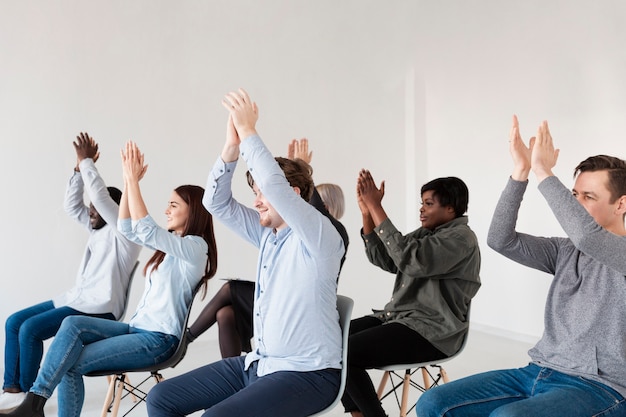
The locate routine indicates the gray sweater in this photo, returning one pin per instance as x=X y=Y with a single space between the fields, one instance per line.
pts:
x=585 y=314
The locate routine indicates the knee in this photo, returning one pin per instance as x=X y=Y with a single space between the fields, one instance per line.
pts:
x=157 y=400
x=225 y=316
x=13 y=324
x=431 y=404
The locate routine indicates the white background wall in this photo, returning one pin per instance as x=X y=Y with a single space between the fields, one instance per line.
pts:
x=409 y=89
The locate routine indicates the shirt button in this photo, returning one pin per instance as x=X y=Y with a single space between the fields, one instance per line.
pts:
x=388 y=314
x=381 y=231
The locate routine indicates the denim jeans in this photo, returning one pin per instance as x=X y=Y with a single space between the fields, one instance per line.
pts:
x=26 y=331
x=86 y=344
x=528 y=391
x=224 y=388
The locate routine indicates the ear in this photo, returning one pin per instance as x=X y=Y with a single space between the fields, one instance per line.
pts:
x=621 y=205
x=297 y=190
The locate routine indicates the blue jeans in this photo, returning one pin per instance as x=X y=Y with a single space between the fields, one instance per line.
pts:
x=86 y=344
x=224 y=388
x=26 y=331
x=523 y=392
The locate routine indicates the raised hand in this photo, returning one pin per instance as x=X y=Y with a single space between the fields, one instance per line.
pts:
x=133 y=165
x=85 y=147
x=368 y=194
x=544 y=155
x=519 y=152
x=243 y=111
x=300 y=149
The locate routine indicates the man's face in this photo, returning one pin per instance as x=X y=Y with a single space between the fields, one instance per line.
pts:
x=269 y=217
x=97 y=222
x=433 y=214
x=591 y=191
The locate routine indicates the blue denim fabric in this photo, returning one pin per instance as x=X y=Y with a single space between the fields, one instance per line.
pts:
x=224 y=388
x=86 y=344
x=523 y=392
x=26 y=331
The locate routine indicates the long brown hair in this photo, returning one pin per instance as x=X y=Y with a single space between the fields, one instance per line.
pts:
x=199 y=223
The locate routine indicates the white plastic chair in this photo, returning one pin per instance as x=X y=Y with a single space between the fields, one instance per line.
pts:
x=405 y=381
x=344 y=307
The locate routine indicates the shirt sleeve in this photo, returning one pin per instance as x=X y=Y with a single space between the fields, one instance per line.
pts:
x=534 y=252
x=423 y=254
x=586 y=235
x=218 y=200
x=97 y=192
x=147 y=233
x=74 y=205
x=314 y=229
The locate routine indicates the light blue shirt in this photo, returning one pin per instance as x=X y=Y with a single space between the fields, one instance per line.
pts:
x=104 y=273
x=296 y=324
x=169 y=288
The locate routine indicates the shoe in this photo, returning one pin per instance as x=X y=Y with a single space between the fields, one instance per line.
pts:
x=10 y=400
x=32 y=406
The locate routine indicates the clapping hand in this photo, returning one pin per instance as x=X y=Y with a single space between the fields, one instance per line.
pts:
x=85 y=147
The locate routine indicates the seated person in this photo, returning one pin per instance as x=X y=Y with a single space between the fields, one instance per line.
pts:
x=231 y=308
x=295 y=366
x=577 y=367
x=185 y=256
x=437 y=274
x=101 y=283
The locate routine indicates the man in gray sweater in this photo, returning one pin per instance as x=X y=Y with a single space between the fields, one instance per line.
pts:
x=578 y=367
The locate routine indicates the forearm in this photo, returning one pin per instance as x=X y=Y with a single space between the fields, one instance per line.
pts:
x=136 y=206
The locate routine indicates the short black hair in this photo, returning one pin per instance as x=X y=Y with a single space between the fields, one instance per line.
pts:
x=115 y=194
x=450 y=191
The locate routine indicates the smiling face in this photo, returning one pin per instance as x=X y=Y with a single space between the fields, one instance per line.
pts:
x=592 y=192
x=433 y=214
x=96 y=221
x=177 y=213
x=268 y=216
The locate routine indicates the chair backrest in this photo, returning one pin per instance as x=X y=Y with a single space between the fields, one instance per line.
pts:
x=181 y=349
x=344 y=307
x=127 y=296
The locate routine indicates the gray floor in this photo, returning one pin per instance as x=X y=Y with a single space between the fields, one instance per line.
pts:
x=484 y=351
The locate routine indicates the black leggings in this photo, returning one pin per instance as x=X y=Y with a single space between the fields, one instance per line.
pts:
x=373 y=344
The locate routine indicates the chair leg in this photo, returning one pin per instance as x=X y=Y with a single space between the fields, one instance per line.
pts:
x=444 y=375
x=107 y=400
x=426 y=378
x=131 y=391
x=406 y=386
x=383 y=383
x=119 y=390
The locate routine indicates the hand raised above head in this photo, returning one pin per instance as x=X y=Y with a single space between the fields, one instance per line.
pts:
x=520 y=153
x=299 y=149
x=133 y=165
x=243 y=111
x=544 y=155
x=85 y=147
x=367 y=192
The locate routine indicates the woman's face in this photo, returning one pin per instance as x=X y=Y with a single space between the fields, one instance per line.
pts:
x=177 y=213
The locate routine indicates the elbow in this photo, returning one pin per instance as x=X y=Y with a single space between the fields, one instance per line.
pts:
x=494 y=241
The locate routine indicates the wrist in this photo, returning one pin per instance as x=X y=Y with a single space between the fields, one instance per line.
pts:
x=246 y=132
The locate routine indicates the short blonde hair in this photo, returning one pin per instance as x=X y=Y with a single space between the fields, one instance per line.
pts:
x=332 y=196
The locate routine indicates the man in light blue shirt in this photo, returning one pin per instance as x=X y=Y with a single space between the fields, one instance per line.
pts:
x=294 y=366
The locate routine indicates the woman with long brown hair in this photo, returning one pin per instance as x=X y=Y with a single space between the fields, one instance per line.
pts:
x=185 y=257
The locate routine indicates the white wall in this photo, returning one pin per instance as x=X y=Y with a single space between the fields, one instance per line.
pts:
x=410 y=89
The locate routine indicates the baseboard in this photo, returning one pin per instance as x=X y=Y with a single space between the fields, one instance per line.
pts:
x=497 y=331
